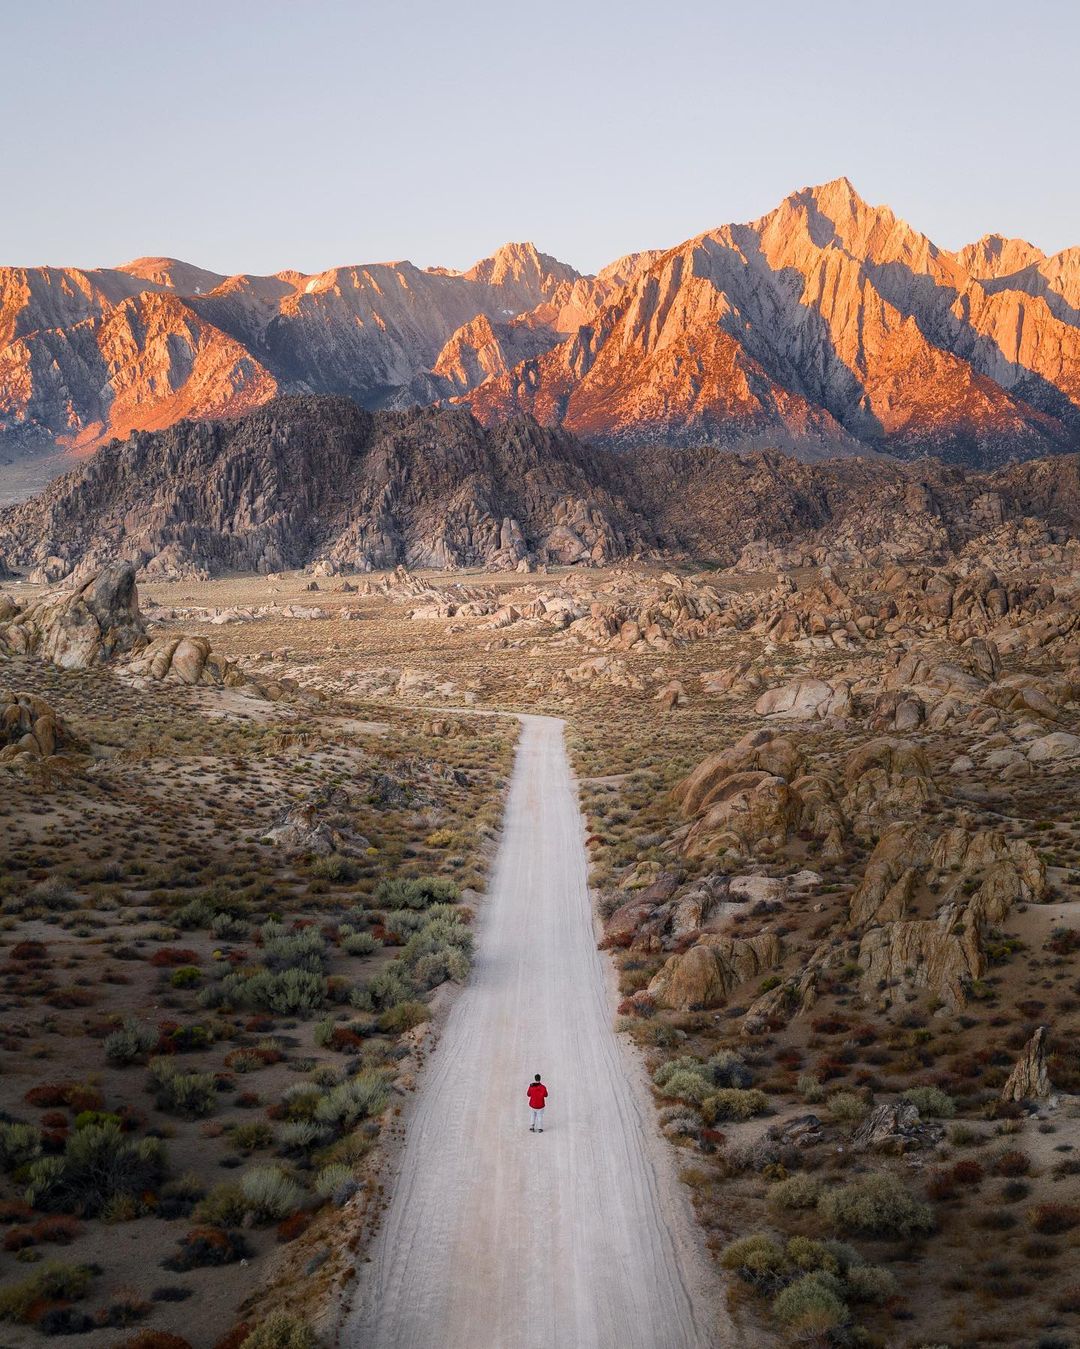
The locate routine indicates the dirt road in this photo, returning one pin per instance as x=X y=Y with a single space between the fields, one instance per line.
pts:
x=497 y=1238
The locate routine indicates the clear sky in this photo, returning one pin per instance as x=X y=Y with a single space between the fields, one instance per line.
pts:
x=254 y=135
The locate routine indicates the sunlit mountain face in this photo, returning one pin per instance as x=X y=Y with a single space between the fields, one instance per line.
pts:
x=826 y=327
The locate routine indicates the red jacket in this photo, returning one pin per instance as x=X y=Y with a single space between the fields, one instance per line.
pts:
x=537 y=1095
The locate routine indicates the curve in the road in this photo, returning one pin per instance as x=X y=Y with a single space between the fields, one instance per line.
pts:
x=497 y=1238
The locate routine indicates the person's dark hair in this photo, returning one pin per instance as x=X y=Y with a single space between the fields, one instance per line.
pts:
x=536 y=1078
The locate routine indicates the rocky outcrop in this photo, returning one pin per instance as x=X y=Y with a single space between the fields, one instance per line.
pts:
x=184 y=660
x=704 y=975
x=896 y=1127
x=884 y=780
x=29 y=728
x=1030 y=1079
x=89 y=625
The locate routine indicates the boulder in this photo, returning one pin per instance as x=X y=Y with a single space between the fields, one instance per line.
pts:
x=89 y=625
x=896 y=1127
x=807 y=699
x=884 y=779
x=1030 y=1079
x=704 y=975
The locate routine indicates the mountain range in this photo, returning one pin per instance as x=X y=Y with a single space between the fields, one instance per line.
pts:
x=318 y=481
x=827 y=327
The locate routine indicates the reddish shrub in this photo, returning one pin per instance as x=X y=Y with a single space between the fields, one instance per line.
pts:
x=277 y=1111
x=293 y=1226
x=30 y=952
x=940 y=1185
x=235 y=1337
x=64 y=999
x=1013 y=1163
x=968 y=1172
x=1051 y=1219
x=247 y=1100
x=81 y=1096
x=259 y=1023
x=48 y=1094
x=54 y=1119
x=18 y=1238
x=59 y=1229
x=174 y=955
x=206 y=1246
x=829 y=1025
x=342 y=1038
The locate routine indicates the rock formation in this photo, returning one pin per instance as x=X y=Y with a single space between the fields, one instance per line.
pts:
x=89 y=625
x=1030 y=1079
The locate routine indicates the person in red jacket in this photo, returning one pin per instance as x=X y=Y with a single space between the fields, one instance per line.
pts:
x=537 y=1094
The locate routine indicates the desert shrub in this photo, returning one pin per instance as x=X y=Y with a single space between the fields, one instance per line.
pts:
x=811 y=1307
x=54 y=1282
x=1012 y=1163
x=1050 y=1219
x=336 y=1182
x=270 y=1194
x=288 y=992
x=403 y=1016
x=134 y=1039
x=282 y=950
x=875 y=1205
x=415 y=893
x=757 y=1259
x=281 y=1330
x=251 y=1136
x=19 y=1144
x=358 y=943
x=691 y=1079
x=810 y=1089
x=334 y=867
x=968 y=1172
x=227 y=927
x=206 y=1248
x=181 y=1093
x=436 y=967
x=797 y=1192
x=733 y=1103
x=301 y=1136
x=869 y=1283
x=683 y=1084
x=846 y=1107
x=361 y=1097
x=98 y=1166
x=931 y=1101
x=224 y=1206
x=391 y=985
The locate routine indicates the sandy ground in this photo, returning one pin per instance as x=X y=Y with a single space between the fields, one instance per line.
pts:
x=497 y=1238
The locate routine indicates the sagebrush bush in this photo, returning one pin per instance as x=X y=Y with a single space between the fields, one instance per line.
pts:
x=281 y=1330
x=19 y=1144
x=283 y=950
x=53 y=1282
x=98 y=1165
x=361 y=1097
x=358 y=943
x=810 y=1089
x=269 y=1194
x=131 y=1042
x=289 y=992
x=797 y=1192
x=875 y=1205
x=733 y=1103
x=931 y=1101
x=182 y=1093
x=415 y=893
x=391 y=985
x=812 y=1307
x=846 y=1107
x=757 y=1259
x=224 y=1206
x=869 y=1283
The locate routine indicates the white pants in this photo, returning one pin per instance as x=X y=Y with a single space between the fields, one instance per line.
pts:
x=538 y=1118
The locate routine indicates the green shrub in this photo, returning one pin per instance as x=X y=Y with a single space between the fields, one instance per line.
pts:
x=98 y=1165
x=131 y=1042
x=757 y=1259
x=301 y=1135
x=336 y=1182
x=403 y=1016
x=436 y=967
x=186 y=976
x=182 y=1093
x=798 y=1191
x=390 y=986
x=806 y=1255
x=281 y=1330
x=931 y=1101
x=733 y=1103
x=251 y=1136
x=19 y=1144
x=869 y=1283
x=269 y=1194
x=283 y=950
x=846 y=1107
x=290 y=992
x=224 y=1206
x=359 y=943
x=362 y=1097
x=227 y=927
x=417 y=893
x=54 y=1282
x=335 y=868
x=875 y=1205
x=810 y=1089
x=812 y=1306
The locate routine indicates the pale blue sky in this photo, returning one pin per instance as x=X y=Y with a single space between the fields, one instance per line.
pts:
x=256 y=135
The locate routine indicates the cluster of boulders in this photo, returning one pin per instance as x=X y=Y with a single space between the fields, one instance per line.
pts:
x=29 y=728
x=95 y=622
